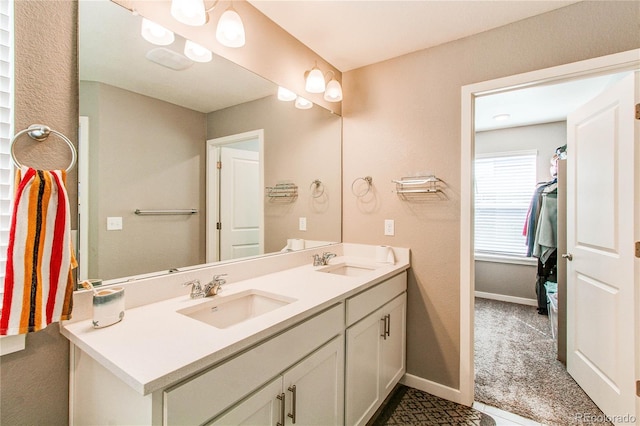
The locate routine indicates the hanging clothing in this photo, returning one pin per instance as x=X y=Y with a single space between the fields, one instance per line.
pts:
x=38 y=284
x=545 y=238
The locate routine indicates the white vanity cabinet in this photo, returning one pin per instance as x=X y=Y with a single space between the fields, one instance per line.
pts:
x=309 y=393
x=375 y=348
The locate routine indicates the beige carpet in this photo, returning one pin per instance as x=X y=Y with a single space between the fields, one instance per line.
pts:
x=517 y=370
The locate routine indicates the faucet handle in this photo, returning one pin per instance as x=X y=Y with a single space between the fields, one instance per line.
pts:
x=195 y=283
x=219 y=278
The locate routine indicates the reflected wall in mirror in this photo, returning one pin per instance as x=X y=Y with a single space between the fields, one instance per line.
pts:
x=145 y=148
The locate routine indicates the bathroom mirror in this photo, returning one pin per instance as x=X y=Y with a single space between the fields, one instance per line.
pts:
x=143 y=146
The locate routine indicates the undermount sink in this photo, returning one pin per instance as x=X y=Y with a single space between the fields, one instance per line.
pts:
x=347 y=269
x=223 y=312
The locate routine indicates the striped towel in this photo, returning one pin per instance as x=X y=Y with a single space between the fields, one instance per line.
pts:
x=38 y=285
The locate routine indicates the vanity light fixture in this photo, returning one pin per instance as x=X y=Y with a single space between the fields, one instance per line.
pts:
x=333 y=93
x=302 y=103
x=314 y=80
x=189 y=12
x=230 y=30
x=155 y=33
x=285 y=94
x=502 y=117
x=196 y=52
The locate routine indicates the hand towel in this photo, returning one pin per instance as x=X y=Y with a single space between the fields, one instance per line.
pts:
x=38 y=285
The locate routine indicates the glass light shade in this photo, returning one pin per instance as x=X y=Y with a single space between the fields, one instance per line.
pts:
x=302 y=103
x=189 y=12
x=230 y=30
x=285 y=94
x=315 y=81
x=155 y=33
x=196 y=52
x=333 y=92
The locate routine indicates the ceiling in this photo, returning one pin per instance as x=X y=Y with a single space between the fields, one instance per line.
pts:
x=354 y=33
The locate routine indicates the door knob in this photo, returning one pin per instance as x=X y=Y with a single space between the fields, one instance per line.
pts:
x=568 y=256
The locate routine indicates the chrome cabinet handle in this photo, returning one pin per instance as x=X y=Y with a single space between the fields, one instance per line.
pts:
x=568 y=256
x=282 y=409
x=387 y=331
x=384 y=327
x=292 y=415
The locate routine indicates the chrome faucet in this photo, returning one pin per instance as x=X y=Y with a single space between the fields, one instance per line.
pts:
x=324 y=259
x=210 y=289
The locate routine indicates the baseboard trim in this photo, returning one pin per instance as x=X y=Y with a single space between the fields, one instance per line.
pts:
x=433 y=388
x=505 y=298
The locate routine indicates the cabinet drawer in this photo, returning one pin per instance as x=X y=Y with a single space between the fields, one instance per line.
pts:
x=368 y=301
x=201 y=398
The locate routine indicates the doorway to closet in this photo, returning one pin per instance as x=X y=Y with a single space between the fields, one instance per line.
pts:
x=569 y=73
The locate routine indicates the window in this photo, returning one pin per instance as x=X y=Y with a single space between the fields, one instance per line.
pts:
x=504 y=185
x=6 y=130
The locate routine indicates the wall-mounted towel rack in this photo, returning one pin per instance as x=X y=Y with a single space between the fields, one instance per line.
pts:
x=366 y=182
x=418 y=186
x=40 y=133
x=165 y=212
x=286 y=191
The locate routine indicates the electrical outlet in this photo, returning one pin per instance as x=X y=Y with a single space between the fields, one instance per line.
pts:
x=114 y=223
x=302 y=224
x=389 y=227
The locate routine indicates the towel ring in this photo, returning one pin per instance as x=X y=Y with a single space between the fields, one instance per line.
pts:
x=317 y=188
x=40 y=133
x=368 y=180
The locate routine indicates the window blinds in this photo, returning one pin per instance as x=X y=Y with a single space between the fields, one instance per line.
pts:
x=6 y=129
x=504 y=185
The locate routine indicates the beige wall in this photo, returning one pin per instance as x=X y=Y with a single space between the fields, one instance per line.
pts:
x=300 y=146
x=144 y=154
x=402 y=116
x=34 y=382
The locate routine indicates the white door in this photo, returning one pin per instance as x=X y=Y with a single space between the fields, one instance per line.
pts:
x=239 y=196
x=600 y=238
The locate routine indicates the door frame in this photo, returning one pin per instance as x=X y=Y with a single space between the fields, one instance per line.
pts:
x=212 y=182
x=618 y=62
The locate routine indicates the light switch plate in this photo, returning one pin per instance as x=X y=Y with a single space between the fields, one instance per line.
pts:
x=302 y=224
x=114 y=223
x=389 y=227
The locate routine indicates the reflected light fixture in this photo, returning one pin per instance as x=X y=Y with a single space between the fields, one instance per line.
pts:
x=196 y=52
x=155 y=33
x=230 y=30
x=302 y=103
x=314 y=80
x=333 y=93
x=285 y=94
x=189 y=12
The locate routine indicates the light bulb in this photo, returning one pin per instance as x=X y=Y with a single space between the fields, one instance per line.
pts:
x=302 y=103
x=285 y=94
x=230 y=30
x=196 y=52
x=333 y=92
x=189 y=12
x=315 y=81
x=155 y=33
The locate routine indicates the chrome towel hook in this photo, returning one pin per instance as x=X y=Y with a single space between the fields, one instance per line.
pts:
x=40 y=133
x=368 y=180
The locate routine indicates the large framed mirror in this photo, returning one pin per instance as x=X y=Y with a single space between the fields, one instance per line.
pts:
x=151 y=138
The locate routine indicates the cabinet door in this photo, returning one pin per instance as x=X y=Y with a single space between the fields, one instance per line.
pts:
x=362 y=381
x=314 y=387
x=392 y=360
x=262 y=408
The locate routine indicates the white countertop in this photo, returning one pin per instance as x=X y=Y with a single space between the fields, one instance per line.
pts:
x=154 y=346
